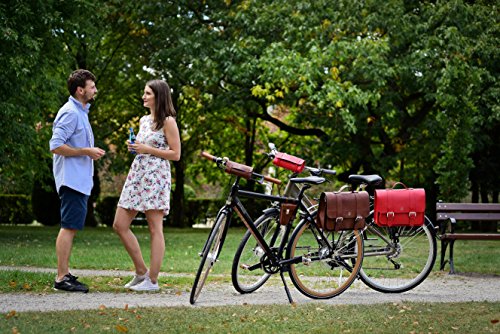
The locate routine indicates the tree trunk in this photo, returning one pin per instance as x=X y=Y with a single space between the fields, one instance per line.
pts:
x=90 y=220
x=177 y=202
x=486 y=226
x=474 y=189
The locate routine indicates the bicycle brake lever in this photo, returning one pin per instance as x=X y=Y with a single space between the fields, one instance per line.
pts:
x=260 y=179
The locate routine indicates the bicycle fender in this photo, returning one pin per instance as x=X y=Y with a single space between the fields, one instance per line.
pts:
x=269 y=210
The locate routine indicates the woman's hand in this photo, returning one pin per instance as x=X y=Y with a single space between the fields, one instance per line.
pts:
x=139 y=148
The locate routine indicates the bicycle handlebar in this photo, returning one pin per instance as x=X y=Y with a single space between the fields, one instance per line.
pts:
x=208 y=156
x=224 y=162
x=320 y=171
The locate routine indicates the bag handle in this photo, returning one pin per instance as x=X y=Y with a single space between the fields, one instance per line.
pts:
x=400 y=183
x=342 y=188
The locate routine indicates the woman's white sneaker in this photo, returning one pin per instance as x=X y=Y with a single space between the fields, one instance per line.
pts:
x=136 y=280
x=145 y=285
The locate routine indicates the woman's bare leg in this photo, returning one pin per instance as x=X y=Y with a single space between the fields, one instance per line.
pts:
x=121 y=225
x=155 y=224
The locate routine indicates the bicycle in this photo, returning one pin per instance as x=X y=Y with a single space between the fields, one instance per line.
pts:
x=320 y=265
x=247 y=275
x=396 y=259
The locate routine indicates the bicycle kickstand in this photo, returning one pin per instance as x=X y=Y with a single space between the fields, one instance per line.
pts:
x=286 y=287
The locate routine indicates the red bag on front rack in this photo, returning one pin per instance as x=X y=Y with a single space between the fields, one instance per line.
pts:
x=289 y=162
x=399 y=207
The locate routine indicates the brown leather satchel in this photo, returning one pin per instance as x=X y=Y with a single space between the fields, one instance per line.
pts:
x=287 y=212
x=339 y=211
x=238 y=169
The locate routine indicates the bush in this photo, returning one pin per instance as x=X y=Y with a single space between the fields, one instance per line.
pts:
x=15 y=209
x=188 y=191
x=197 y=210
x=105 y=209
x=46 y=203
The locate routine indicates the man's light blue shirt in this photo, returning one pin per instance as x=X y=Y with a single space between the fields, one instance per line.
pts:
x=72 y=127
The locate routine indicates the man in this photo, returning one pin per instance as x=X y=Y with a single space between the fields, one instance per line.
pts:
x=72 y=144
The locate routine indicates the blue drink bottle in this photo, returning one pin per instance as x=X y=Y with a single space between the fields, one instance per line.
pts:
x=132 y=138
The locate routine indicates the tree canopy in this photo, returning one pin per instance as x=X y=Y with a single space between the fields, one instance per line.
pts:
x=406 y=89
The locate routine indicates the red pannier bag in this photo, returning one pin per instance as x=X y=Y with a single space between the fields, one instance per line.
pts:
x=399 y=207
x=289 y=162
x=340 y=211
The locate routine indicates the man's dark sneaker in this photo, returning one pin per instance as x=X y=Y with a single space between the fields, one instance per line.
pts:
x=70 y=283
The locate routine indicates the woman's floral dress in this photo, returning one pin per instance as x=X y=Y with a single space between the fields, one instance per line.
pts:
x=148 y=182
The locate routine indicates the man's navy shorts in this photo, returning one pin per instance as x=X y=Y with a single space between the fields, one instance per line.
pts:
x=73 y=208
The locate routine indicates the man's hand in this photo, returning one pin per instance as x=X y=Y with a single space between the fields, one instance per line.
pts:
x=95 y=153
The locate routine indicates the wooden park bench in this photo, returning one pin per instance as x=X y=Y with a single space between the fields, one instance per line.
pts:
x=448 y=214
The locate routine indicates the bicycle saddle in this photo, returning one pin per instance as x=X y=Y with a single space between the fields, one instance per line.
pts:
x=371 y=180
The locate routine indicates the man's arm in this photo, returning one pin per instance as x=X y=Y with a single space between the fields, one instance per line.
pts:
x=65 y=150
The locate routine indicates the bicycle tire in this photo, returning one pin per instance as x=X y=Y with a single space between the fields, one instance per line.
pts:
x=410 y=262
x=325 y=271
x=247 y=273
x=210 y=254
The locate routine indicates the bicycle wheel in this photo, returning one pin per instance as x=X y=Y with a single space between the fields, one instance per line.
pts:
x=210 y=254
x=325 y=269
x=247 y=271
x=394 y=267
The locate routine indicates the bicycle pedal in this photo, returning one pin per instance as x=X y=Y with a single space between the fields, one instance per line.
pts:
x=244 y=266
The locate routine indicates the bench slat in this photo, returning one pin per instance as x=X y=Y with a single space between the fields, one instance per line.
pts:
x=460 y=212
x=470 y=236
x=464 y=207
x=468 y=216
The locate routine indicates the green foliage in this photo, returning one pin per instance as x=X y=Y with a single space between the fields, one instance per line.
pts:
x=15 y=209
x=408 y=90
x=26 y=89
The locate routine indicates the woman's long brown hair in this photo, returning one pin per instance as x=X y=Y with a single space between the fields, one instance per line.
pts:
x=164 y=106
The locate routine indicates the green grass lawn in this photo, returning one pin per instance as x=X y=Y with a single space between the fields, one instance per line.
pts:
x=100 y=248
x=308 y=318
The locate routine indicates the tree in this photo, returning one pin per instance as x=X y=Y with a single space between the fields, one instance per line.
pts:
x=405 y=89
x=27 y=87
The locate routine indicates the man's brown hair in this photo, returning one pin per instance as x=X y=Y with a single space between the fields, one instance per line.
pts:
x=79 y=79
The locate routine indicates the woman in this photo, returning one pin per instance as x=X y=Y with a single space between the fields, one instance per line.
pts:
x=147 y=188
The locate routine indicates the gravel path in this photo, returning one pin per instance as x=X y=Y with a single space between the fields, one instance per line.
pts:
x=446 y=288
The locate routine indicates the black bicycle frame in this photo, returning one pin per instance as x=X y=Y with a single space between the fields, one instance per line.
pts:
x=233 y=203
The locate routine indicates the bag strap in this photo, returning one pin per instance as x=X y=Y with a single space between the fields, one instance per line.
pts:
x=339 y=218
x=399 y=183
x=342 y=188
x=413 y=209
x=390 y=209
x=358 y=217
